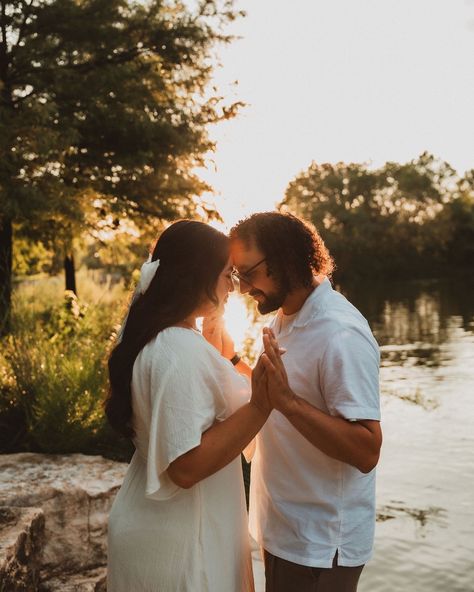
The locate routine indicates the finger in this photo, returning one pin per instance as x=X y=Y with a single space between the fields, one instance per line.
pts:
x=258 y=370
x=269 y=349
x=273 y=354
x=269 y=367
x=273 y=340
x=279 y=351
x=272 y=372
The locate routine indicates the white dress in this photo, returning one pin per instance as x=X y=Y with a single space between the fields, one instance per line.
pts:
x=163 y=538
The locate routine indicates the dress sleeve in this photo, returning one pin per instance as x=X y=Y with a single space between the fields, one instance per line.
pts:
x=349 y=376
x=186 y=399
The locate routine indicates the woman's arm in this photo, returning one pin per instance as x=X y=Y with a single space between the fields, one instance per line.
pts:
x=225 y=440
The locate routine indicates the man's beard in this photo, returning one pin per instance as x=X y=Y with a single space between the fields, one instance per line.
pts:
x=270 y=302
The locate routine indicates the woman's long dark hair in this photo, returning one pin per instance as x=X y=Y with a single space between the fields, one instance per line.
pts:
x=192 y=255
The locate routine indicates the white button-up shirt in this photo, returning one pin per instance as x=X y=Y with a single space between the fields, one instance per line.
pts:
x=304 y=505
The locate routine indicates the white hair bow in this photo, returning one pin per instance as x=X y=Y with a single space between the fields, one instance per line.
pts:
x=147 y=273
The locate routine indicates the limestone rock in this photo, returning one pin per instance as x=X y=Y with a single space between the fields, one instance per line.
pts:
x=21 y=543
x=75 y=493
x=93 y=580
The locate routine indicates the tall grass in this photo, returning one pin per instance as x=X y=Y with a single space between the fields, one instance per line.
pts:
x=53 y=377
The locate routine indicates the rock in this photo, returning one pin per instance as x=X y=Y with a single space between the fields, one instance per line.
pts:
x=21 y=543
x=75 y=493
x=93 y=580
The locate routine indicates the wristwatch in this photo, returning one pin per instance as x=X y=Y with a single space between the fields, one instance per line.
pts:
x=235 y=359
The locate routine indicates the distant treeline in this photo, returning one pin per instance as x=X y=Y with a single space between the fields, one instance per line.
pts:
x=413 y=219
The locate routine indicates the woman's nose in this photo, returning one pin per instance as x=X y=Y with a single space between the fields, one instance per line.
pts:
x=244 y=286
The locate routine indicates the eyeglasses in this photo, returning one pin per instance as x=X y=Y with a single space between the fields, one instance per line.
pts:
x=245 y=277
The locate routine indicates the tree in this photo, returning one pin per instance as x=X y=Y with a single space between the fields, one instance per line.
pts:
x=103 y=114
x=377 y=220
x=458 y=219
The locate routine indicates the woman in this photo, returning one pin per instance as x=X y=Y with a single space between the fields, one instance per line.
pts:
x=179 y=521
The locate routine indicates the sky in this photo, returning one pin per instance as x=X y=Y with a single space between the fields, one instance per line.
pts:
x=340 y=80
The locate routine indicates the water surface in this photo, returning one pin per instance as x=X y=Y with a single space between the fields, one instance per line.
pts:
x=425 y=498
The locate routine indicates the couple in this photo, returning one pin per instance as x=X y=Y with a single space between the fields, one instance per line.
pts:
x=308 y=418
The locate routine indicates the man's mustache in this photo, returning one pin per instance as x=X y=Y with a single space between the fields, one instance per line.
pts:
x=256 y=293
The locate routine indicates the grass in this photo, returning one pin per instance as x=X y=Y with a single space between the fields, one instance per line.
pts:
x=53 y=377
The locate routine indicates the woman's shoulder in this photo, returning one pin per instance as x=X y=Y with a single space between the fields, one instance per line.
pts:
x=177 y=344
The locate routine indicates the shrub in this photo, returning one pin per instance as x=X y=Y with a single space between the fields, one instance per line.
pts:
x=53 y=379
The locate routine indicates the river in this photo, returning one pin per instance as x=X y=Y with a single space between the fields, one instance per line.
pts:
x=424 y=538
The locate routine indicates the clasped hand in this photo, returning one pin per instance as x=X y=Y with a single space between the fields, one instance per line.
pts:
x=270 y=388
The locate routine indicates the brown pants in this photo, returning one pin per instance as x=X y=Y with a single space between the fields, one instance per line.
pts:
x=285 y=576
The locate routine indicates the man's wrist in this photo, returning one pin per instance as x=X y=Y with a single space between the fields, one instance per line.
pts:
x=290 y=405
x=262 y=409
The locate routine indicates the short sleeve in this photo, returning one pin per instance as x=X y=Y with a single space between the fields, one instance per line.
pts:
x=349 y=375
x=186 y=400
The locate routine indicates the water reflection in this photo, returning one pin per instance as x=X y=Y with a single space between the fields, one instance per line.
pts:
x=414 y=312
x=415 y=397
x=421 y=516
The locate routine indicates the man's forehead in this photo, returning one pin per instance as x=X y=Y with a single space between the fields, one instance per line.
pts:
x=244 y=252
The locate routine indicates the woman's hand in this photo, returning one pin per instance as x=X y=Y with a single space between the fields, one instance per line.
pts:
x=279 y=392
x=260 y=396
x=228 y=347
x=212 y=331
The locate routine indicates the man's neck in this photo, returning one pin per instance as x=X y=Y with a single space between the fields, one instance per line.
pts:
x=295 y=299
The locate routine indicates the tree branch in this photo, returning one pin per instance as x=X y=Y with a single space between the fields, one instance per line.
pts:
x=3 y=30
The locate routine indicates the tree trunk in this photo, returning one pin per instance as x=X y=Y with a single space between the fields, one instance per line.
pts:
x=6 y=242
x=70 y=272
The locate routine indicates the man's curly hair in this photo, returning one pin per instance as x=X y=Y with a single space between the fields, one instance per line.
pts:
x=293 y=249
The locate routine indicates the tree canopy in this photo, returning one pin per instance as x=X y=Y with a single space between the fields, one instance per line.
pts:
x=104 y=111
x=399 y=218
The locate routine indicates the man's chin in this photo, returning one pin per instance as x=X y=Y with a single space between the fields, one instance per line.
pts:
x=263 y=308
x=268 y=305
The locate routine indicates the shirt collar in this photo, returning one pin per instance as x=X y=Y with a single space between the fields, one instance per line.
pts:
x=309 y=310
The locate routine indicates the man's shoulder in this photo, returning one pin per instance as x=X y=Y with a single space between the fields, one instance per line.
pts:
x=338 y=316
x=337 y=313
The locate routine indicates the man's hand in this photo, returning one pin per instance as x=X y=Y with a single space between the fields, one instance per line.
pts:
x=280 y=394
x=356 y=443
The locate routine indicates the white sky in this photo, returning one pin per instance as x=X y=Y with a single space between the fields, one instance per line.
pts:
x=350 y=80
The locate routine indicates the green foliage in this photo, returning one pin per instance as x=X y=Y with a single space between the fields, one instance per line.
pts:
x=400 y=219
x=30 y=258
x=53 y=379
x=104 y=111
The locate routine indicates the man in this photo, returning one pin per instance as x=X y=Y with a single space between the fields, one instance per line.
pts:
x=312 y=497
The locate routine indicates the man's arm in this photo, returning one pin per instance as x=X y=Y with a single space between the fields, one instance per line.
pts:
x=356 y=443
